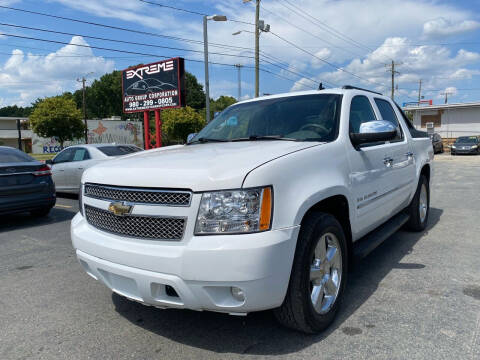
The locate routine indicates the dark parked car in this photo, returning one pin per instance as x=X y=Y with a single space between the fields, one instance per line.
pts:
x=466 y=145
x=26 y=185
x=437 y=143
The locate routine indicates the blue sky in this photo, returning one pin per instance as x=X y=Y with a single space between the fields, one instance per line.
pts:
x=342 y=42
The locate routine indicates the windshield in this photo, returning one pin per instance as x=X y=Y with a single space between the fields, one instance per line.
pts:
x=13 y=156
x=302 y=118
x=118 y=150
x=467 y=140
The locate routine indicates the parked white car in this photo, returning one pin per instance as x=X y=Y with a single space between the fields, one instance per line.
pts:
x=265 y=208
x=69 y=164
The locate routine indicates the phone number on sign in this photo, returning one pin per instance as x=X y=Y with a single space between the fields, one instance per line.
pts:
x=147 y=103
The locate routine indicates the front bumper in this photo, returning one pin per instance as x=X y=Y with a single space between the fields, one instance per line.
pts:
x=200 y=269
x=458 y=151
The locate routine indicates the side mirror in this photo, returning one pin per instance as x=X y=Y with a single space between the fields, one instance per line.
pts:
x=374 y=131
x=49 y=162
x=191 y=136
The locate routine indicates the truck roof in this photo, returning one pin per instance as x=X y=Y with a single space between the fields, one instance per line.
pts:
x=340 y=91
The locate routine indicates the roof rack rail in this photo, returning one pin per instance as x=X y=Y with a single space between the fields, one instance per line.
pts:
x=350 y=87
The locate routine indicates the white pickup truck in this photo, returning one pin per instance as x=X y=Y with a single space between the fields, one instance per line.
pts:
x=265 y=208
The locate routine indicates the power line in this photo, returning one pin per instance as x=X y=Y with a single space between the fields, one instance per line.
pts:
x=323 y=25
x=307 y=32
x=119 y=41
x=134 y=53
x=176 y=38
x=189 y=11
x=325 y=61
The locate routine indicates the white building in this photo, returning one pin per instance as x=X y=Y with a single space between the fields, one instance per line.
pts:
x=449 y=120
x=9 y=133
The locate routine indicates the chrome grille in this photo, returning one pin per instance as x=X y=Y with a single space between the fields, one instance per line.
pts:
x=144 y=227
x=139 y=196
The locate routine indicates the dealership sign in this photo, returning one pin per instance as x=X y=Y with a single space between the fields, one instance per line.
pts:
x=154 y=86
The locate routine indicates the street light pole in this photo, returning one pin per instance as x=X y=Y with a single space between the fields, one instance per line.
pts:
x=207 y=82
x=257 y=49
x=205 y=54
x=239 y=67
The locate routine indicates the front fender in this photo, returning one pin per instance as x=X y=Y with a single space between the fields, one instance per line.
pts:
x=302 y=179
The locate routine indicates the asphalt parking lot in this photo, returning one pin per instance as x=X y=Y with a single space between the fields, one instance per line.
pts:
x=417 y=296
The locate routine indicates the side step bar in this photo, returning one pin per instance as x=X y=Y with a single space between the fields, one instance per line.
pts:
x=369 y=242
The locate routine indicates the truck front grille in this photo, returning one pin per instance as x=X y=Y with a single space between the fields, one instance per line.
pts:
x=138 y=195
x=143 y=227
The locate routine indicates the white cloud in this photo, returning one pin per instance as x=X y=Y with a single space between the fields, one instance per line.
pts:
x=26 y=76
x=442 y=27
x=324 y=54
x=435 y=65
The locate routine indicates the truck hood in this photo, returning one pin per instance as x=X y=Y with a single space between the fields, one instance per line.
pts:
x=198 y=167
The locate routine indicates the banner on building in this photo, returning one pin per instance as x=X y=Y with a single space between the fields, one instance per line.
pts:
x=99 y=132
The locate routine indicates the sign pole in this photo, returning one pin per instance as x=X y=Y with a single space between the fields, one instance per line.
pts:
x=158 y=128
x=146 y=128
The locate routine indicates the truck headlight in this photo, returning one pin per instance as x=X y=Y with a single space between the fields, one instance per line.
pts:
x=235 y=211
x=454 y=147
x=474 y=146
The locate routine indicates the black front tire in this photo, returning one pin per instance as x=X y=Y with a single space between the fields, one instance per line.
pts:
x=417 y=222
x=297 y=311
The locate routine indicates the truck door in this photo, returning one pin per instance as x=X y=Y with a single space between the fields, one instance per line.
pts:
x=402 y=169
x=59 y=165
x=369 y=172
x=81 y=161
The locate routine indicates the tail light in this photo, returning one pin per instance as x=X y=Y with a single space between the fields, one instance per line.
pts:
x=43 y=171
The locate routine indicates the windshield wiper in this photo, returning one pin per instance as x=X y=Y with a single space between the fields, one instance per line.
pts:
x=206 y=140
x=264 y=137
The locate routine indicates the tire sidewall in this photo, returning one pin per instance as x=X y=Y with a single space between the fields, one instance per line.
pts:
x=326 y=224
x=423 y=181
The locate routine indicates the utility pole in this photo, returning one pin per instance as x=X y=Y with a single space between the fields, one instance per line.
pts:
x=19 y=129
x=446 y=93
x=257 y=49
x=83 y=80
x=419 y=91
x=239 y=67
x=260 y=27
x=391 y=68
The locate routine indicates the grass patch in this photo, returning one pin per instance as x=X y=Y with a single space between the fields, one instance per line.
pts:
x=42 y=157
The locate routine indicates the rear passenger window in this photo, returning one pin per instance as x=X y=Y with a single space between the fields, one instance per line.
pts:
x=361 y=111
x=81 y=154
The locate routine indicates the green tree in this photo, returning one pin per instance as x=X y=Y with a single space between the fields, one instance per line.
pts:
x=15 y=110
x=195 y=96
x=223 y=102
x=178 y=123
x=57 y=117
x=103 y=97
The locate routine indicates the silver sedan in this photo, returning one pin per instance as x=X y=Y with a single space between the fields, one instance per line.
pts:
x=69 y=164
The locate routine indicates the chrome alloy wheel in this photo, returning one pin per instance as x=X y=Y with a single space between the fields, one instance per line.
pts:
x=423 y=203
x=325 y=273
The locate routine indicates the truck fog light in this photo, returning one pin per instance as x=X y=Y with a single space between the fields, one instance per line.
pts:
x=237 y=293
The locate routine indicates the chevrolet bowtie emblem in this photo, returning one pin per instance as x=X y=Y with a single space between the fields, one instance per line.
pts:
x=120 y=208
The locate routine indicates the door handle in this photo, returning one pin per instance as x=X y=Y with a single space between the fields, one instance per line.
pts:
x=388 y=161
x=409 y=155
x=80 y=168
